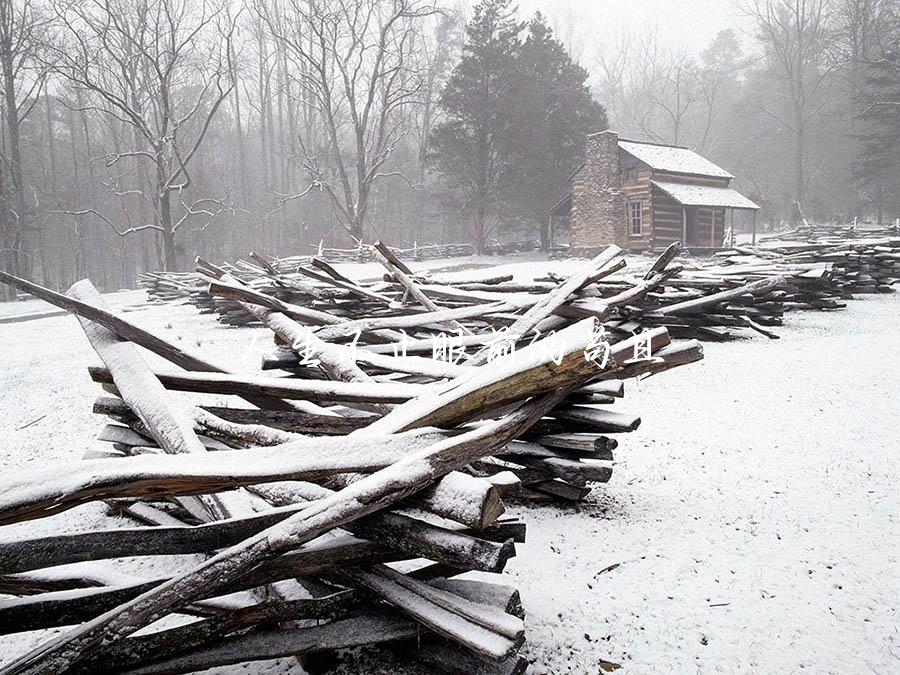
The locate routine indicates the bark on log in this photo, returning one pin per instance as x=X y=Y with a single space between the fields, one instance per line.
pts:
x=485 y=630
x=125 y=655
x=295 y=421
x=61 y=608
x=37 y=493
x=410 y=535
x=547 y=304
x=528 y=372
x=600 y=420
x=376 y=492
x=128 y=331
x=369 y=629
x=315 y=390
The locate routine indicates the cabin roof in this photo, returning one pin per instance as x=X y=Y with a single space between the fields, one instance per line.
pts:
x=705 y=195
x=673 y=158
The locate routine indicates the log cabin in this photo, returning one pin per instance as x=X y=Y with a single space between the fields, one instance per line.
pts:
x=644 y=196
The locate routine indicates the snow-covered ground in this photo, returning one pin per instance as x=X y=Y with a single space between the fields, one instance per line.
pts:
x=753 y=516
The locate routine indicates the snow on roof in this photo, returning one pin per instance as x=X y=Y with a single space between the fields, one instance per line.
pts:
x=705 y=195
x=674 y=159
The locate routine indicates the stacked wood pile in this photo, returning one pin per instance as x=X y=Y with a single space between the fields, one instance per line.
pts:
x=709 y=306
x=362 y=253
x=298 y=286
x=303 y=496
x=849 y=265
x=815 y=231
x=320 y=295
x=665 y=296
x=422 y=343
x=745 y=283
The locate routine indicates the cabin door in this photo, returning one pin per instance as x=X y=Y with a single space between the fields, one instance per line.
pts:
x=690 y=225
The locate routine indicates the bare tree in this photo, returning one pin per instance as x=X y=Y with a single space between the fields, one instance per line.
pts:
x=675 y=93
x=720 y=65
x=23 y=73
x=353 y=62
x=862 y=29
x=648 y=87
x=161 y=70
x=436 y=51
x=794 y=35
x=612 y=65
x=570 y=27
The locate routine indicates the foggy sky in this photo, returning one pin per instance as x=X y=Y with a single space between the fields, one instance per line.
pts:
x=691 y=24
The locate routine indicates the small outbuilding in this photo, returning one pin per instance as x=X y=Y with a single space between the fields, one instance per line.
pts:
x=644 y=196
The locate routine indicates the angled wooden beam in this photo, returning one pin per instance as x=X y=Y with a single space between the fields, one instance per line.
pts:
x=362 y=498
x=128 y=331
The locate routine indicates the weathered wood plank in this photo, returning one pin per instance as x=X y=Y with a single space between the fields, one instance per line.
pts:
x=127 y=331
x=373 y=493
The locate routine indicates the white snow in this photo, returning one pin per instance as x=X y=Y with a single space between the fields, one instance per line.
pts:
x=705 y=195
x=672 y=158
x=754 y=514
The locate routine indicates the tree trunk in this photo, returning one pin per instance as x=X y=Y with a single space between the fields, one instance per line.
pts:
x=87 y=235
x=545 y=227
x=262 y=94
x=16 y=221
x=6 y=292
x=356 y=227
x=479 y=228
x=879 y=203
x=239 y=130
x=799 y=156
x=168 y=234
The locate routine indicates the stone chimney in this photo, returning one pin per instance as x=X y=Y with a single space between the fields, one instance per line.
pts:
x=598 y=207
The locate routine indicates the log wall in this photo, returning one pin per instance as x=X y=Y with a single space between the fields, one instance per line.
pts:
x=667 y=218
x=638 y=189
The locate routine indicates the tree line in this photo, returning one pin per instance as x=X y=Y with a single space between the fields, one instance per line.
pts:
x=806 y=115
x=138 y=133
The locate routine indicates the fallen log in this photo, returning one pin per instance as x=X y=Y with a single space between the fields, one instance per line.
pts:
x=402 y=274
x=410 y=535
x=528 y=372
x=375 y=492
x=295 y=421
x=482 y=629
x=691 y=306
x=36 y=493
x=126 y=331
x=316 y=390
x=158 y=646
x=544 y=307
x=372 y=628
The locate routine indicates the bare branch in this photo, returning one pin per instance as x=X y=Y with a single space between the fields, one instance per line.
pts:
x=94 y=212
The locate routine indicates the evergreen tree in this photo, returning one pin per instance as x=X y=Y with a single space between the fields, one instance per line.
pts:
x=473 y=144
x=516 y=113
x=554 y=112
x=878 y=167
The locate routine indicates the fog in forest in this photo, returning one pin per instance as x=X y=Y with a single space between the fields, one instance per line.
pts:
x=137 y=134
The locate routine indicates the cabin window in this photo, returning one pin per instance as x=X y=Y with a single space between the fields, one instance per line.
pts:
x=631 y=175
x=635 y=209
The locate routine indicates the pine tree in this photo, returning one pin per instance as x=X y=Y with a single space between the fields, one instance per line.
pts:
x=516 y=114
x=554 y=113
x=878 y=167
x=472 y=145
